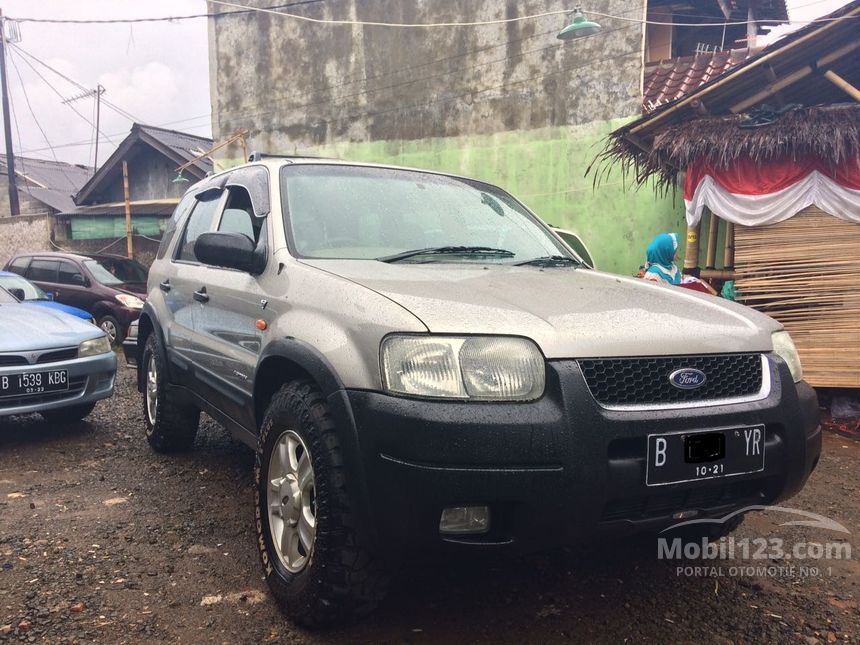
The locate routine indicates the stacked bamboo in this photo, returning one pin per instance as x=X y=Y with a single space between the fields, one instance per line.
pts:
x=805 y=272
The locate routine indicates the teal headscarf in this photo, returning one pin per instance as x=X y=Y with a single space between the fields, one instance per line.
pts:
x=661 y=256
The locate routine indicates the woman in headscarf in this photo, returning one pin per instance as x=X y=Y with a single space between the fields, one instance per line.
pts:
x=661 y=260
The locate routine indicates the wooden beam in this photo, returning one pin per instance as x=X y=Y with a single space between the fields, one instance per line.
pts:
x=842 y=84
x=713 y=231
x=770 y=89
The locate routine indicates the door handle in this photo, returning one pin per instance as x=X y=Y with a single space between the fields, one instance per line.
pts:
x=165 y=286
x=201 y=296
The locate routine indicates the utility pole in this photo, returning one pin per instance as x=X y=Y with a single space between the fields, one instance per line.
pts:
x=14 y=206
x=97 y=94
x=127 y=196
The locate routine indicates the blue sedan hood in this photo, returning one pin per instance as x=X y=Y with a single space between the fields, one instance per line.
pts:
x=59 y=306
x=25 y=327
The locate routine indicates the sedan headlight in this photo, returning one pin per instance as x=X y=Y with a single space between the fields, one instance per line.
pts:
x=480 y=368
x=93 y=347
x=784 y=347
x=130 y=301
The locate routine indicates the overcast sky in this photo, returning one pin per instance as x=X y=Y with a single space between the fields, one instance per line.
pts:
x=158 y=73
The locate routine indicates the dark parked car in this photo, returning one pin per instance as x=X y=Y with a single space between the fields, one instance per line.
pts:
x=110 y=287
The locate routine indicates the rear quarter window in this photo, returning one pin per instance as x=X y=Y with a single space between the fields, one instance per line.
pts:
x=19 y=265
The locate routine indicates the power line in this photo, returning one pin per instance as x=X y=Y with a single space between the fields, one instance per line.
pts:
x=35 y=119
x=483 y=23
x=123 y=21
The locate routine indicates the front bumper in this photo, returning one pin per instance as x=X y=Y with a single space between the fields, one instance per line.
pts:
x=90 y=379
x=558 y=470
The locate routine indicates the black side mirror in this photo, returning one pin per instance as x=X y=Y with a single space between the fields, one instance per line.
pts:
x=77 y=278
x=231 y=251
x=18 y=293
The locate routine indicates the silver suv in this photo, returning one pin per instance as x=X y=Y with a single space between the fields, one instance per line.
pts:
x=420 y=363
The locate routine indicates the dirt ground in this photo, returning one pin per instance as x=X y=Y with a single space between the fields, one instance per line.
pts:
x=102 y=540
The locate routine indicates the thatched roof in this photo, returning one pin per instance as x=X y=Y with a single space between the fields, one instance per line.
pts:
x=831 y=133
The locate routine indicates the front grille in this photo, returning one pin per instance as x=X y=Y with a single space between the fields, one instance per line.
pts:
x=645 y=381
x=53 y=356
x=660 y=504
x=76 y=386
x=58 y=355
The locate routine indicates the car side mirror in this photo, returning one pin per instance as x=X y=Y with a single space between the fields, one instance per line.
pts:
x=18 y=293
x=50 y=295
x=231 y=251
x=77 y=278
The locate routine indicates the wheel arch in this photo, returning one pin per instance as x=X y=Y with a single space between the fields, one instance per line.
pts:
x=285 y=360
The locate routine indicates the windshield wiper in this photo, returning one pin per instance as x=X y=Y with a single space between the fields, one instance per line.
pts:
x=449 y=250
x=550 y=261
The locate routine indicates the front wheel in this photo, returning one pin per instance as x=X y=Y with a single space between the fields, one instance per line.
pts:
x=306 y=532
x=110 y=326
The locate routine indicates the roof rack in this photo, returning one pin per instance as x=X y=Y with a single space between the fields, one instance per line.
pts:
x=259 y=156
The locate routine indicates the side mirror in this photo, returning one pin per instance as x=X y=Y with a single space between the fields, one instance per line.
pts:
x=77 y=278
x=18 y=293
x=231 y=251
x=50 y=295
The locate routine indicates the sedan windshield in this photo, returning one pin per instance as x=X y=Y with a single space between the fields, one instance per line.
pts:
x=31 y=291
x=351 y=212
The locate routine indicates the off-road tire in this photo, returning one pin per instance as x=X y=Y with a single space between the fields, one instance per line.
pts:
x=71 y=414
x=341 y=581
x=176 y=423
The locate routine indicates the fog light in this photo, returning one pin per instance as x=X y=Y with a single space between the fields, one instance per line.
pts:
x=459 y=520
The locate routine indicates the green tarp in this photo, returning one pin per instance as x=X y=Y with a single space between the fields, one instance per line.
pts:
x=106 y=227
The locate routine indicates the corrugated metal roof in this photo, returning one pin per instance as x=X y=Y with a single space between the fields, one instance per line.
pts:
x=188 y=146
x=669 y=80
x=56 y=175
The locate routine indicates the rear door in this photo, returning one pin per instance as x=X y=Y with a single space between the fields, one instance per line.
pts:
x=227 y=338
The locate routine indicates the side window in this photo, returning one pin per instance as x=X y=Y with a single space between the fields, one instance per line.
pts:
x=238 y=215
x=43 y=270
x=19 y=265
x=199 y=222
x=71 y=274
x=182 y=209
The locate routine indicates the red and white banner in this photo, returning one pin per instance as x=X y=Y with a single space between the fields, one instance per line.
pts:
x=757 y=194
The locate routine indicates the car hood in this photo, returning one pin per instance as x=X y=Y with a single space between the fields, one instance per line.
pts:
x=570 y=313
x=59 y=306
x=25 y=327
x=134 y=288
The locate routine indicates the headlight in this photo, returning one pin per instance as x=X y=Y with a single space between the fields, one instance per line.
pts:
x=130 y=301
x=489 y=368
x=784 y=347
x=100 y=345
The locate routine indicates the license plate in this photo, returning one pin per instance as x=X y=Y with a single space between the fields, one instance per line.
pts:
x=706 y=454
x=34 y=383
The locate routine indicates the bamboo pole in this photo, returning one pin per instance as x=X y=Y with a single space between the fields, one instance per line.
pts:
x=729 y=251
x=713 y=231
x=842 y=84
x=691 y=258
x=127 y=195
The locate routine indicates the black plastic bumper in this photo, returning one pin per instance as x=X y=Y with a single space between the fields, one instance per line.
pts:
x=558 y=470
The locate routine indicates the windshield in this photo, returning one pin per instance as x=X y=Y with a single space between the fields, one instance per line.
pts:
x=112 y=271
x=350 y=212
x=6 y=298
x=31 y=291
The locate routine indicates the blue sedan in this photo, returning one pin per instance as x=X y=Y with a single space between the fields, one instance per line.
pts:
x=51 y=362
x=26 y=291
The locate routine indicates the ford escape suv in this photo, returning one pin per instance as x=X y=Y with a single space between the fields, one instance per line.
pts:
x=420 y=363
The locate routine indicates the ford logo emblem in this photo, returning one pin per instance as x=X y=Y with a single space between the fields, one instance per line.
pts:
x=687 y=378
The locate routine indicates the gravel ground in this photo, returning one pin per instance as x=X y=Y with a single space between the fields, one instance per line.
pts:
x=103 y=540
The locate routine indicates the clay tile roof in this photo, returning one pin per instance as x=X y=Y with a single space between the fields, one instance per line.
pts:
x=669 y=80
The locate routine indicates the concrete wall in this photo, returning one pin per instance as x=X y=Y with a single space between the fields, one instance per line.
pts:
x=28 y=204
x=509 y=104
x=23 y=234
